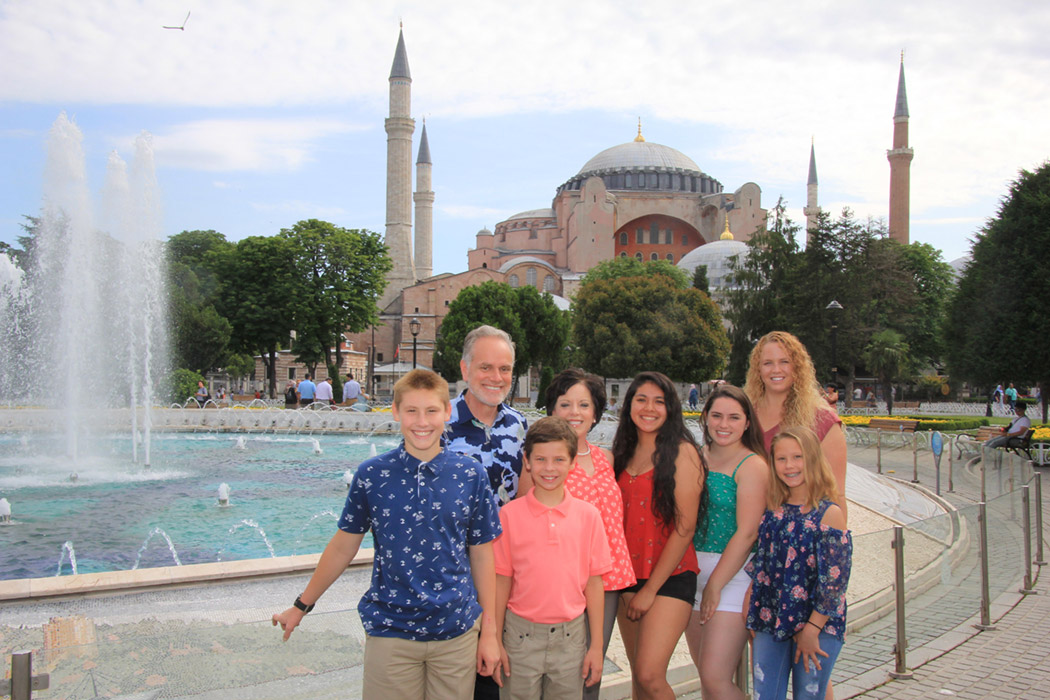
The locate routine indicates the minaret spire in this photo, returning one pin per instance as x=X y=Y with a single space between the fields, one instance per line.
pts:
x=424 y=199
x=900 y=157
x=399 y=130
x=812 y=208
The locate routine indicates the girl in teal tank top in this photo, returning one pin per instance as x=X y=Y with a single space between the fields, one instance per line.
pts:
x=736 y=485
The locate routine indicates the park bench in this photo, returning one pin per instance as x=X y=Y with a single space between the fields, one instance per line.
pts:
x=912 y=405
x=987 y=432
x=902 y=425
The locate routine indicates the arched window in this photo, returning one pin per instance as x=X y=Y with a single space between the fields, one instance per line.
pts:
x=637 y=256
x=484 y=266
x=654 y=256
x=685 y=239
x=623 y=253
x=513 y=281
x=548 y=284
x=623 y=238
x=670 y=256
x=530 y=277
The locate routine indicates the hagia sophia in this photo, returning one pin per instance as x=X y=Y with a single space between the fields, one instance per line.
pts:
x=637 y=199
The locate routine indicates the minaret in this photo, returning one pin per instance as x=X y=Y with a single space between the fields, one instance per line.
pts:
x=424 y=198
x=900 y=167
x=399 y=129
x=812 y=209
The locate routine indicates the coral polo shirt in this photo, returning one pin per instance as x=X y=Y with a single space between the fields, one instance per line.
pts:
x=549 y=553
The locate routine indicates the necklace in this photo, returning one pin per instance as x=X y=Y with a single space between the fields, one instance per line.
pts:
x=584 y=454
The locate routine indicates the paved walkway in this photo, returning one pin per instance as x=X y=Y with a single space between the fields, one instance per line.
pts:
x=946 y=654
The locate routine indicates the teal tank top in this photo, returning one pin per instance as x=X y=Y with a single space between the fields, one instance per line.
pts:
x=721 y=512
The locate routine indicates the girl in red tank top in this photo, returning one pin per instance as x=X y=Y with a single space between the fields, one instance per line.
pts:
x=661 y=474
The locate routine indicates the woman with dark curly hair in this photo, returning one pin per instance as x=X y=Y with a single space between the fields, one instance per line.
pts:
x=579 y=398
x=660 y=472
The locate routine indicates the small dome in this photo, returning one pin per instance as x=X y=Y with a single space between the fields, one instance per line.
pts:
x=640 y=155
x=533 y=214
x=484 y=232
x=716 y=257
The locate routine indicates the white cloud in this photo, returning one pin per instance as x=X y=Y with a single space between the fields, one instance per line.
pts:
x=244 y=145
x=764 y=75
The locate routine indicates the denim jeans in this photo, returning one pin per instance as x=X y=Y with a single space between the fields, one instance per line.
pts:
x=773 y=663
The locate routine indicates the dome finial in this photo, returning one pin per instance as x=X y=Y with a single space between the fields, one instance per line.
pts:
x=639 y=138
x=727 y=235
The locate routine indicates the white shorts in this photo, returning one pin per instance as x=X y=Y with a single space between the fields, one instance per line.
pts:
x=732 y=599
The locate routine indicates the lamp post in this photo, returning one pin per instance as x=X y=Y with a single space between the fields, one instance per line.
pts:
x=834 y=308
x=413 y=326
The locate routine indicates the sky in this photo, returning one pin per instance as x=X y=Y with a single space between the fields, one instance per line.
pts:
x=264 y=113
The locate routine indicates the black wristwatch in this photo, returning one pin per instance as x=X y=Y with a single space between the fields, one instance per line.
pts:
x=300 y=605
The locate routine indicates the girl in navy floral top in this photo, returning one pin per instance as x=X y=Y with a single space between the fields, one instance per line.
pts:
x=797 y=607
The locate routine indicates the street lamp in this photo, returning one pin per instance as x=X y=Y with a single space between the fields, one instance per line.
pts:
x=413 y=326
x=834 y=308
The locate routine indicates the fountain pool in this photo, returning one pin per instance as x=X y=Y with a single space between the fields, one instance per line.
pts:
x=285 y=492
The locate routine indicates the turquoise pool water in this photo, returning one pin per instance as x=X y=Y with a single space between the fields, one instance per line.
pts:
x=289 y=487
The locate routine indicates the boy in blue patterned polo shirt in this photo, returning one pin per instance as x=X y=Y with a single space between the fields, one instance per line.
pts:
x=429 y=612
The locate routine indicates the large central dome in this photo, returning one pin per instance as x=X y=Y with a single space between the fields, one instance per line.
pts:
x=638 y=155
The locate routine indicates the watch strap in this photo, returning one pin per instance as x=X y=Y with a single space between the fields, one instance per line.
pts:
x=300 y=605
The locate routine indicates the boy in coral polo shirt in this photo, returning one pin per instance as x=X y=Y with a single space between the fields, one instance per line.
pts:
x=549 y=563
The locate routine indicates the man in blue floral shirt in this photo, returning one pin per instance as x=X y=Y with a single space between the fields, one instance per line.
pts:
x=482 y=426
x=485 y=428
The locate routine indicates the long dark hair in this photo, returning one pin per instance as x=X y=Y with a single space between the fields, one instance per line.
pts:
x=669 y=441
x=752 y=437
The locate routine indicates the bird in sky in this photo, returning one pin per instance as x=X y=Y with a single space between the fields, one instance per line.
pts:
x=180 y=28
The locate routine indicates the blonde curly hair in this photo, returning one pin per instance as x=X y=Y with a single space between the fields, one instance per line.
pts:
x=804 y=399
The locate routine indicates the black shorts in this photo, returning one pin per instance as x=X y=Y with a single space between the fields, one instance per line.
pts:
x=681 y=586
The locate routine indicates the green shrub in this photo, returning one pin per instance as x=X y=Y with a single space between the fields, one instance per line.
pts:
x=182 y=384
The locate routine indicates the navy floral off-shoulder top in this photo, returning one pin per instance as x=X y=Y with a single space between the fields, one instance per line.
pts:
x=799 y=566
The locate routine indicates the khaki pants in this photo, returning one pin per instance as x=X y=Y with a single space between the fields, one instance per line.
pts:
x=546 y=661
x=402 y=669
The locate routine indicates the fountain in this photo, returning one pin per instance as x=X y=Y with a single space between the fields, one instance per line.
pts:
x=153 y=533
x=5 y=511
x=81 y=285
x=224 y=494
x=67 y=550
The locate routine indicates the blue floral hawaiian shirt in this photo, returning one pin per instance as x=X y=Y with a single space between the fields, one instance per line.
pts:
x=423 y=516
x=497 y=448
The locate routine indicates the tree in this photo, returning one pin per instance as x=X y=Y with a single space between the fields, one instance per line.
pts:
x=632 y=267
x=700 y=280
x=888 y=356
x=539 y=329
x=260 y=292
x=997 y=322
x=200 y=335
x=489 y=303
x=343 y=273
x=879 y=283
x=755 y=305
x=623 y=325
